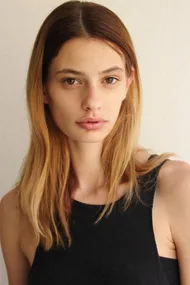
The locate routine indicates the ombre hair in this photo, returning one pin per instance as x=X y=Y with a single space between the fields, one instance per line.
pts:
x=45 y=177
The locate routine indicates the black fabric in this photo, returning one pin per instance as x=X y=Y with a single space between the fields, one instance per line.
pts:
x=119 y=250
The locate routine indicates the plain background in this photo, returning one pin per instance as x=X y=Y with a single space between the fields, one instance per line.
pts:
x=161 y=36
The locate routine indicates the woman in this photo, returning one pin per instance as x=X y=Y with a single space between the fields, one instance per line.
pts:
x=91 y=206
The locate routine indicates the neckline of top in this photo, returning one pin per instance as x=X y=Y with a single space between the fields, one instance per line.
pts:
x=82 y=204
x=76 y=202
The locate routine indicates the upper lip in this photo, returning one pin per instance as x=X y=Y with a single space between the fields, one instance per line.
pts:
x=91 y=119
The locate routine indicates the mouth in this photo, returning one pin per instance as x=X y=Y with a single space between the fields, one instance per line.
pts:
x=92 y=120
x=92 y=126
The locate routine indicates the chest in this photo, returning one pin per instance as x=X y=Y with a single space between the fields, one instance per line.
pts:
x=118 y=248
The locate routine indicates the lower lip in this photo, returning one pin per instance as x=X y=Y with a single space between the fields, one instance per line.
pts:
x=91 y=126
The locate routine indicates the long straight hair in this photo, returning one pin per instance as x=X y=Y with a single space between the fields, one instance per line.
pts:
x=46 y=174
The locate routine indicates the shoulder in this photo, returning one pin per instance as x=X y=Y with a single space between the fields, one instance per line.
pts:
x=173 y=184
x=16 y=263
x=174 y=190
x=12 y=221
x=9 y=215
x=174 y=179
x=9 y=205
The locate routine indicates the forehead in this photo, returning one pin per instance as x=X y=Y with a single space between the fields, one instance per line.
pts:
x=88 y=55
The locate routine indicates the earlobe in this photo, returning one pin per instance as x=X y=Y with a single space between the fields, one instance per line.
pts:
x=131 y=78
x=45 y=97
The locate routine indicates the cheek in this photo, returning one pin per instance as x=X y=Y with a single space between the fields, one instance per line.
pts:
x=60 y=112
x=59 y=102
x=117 y=95
x=115 y=106
x=115 y=113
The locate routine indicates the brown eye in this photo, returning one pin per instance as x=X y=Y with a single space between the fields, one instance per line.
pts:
x=68 y=81
x=111 y=81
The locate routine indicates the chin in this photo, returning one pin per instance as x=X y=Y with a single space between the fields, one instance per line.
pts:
x=89 y=137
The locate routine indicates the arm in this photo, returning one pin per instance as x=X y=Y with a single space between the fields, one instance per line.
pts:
x=177 y=196
x=16 y=263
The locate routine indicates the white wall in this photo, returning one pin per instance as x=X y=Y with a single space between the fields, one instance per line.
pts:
x=160 y=32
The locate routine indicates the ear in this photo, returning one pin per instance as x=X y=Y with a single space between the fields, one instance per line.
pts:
x=131 y=78
x=45 y=97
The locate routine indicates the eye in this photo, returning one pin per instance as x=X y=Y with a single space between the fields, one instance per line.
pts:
x=112 y=78
x=68 y=80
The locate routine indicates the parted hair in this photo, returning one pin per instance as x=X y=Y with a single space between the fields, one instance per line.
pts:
x=44 y=181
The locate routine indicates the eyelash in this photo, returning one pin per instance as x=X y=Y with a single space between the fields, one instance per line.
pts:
x=67 y=78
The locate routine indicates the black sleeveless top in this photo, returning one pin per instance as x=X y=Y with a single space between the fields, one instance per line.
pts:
x=118 y=250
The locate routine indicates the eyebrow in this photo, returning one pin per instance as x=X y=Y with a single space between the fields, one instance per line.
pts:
x=76 y=72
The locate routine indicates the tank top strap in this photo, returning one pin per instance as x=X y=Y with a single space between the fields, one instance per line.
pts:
x=149 y=181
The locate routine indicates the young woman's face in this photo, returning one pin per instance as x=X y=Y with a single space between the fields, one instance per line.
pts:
x=90 y=91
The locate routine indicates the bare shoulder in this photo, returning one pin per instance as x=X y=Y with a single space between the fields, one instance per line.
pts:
x=174 y=190
x=173 y=187
x=174 y=178
x=9 y=209
x=10 y=199
x=15 y=261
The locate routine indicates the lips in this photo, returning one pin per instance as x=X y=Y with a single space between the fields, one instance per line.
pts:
x=92 y=126
x=91 y=120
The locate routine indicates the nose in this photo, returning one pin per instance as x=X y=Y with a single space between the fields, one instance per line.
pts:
x=91 y=99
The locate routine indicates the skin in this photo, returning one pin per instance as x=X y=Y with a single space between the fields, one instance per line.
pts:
x=89 y=97
x=91 y=94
